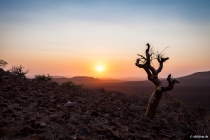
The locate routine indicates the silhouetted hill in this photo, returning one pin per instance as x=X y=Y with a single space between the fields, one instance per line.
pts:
x=134 y=79
x=198 y=78
x=198 y=75
x=86 y=80
x=58 y=76
x=193 y=89
x=76 y=79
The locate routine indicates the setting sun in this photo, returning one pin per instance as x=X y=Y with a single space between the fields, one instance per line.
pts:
x=100 y=68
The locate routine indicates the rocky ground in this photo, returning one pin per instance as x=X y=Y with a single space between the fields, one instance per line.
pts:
x=35 y=110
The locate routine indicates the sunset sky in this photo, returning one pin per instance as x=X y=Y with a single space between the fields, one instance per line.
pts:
x=101 y=38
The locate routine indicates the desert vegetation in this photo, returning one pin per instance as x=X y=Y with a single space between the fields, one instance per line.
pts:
x=71 y=85
x=3 y=63
x=18 y=70
x=43 y=77
x=37 y=110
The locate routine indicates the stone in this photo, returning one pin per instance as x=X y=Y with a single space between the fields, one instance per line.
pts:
x=4 y=104
x=115 y=134
x=101 y=131
x=70 y=104
x=94 y=113
x=43 y=124
x=3 y=131
x=29 y=129
x=51 y=109
x=81 y=138
x=83 y=131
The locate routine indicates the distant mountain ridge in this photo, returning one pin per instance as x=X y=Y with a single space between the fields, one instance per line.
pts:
x=195 y=78
x=59 y=77
x=134 y=78
x=86 y=80
x=200 y=75
x=193 y=89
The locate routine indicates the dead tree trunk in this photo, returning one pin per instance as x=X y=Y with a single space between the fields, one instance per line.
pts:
x=152 y=74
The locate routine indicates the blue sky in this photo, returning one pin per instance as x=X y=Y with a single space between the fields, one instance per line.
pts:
x=42 y=34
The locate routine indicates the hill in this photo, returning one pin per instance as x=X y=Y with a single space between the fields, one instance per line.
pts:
x=193 y=89
x=31 y=110
x=86 y=80
x=198 y=75
x=196 y=79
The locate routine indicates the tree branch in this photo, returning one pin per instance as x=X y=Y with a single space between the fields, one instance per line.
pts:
x=147 y=67
x=143 y=66
x=171 y=83
x=148 y=60
x=161 y=60
x=139 y=65
x=142 y=57
x=147 y=54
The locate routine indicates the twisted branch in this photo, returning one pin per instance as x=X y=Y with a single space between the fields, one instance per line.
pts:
x=171 y=83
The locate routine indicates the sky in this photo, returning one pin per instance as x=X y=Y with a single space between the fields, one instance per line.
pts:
x=102 y=38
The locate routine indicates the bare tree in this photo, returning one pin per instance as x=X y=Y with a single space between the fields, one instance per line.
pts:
x=3 y=63
x=152 y=74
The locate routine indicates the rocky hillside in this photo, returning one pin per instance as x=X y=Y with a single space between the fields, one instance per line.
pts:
x=34 y=110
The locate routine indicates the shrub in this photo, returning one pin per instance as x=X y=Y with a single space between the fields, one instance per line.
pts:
x=43 y=77
x=71 y=85
x=3 y=63
x=18 y=70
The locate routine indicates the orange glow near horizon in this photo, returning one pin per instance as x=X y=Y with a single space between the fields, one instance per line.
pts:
x=97 y=66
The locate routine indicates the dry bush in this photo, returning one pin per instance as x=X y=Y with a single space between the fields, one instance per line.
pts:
x=18 y=70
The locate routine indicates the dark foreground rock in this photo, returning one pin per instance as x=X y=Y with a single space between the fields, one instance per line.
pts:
x=32 y=110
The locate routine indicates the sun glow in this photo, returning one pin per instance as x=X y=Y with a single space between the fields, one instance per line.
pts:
x=100 y=68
